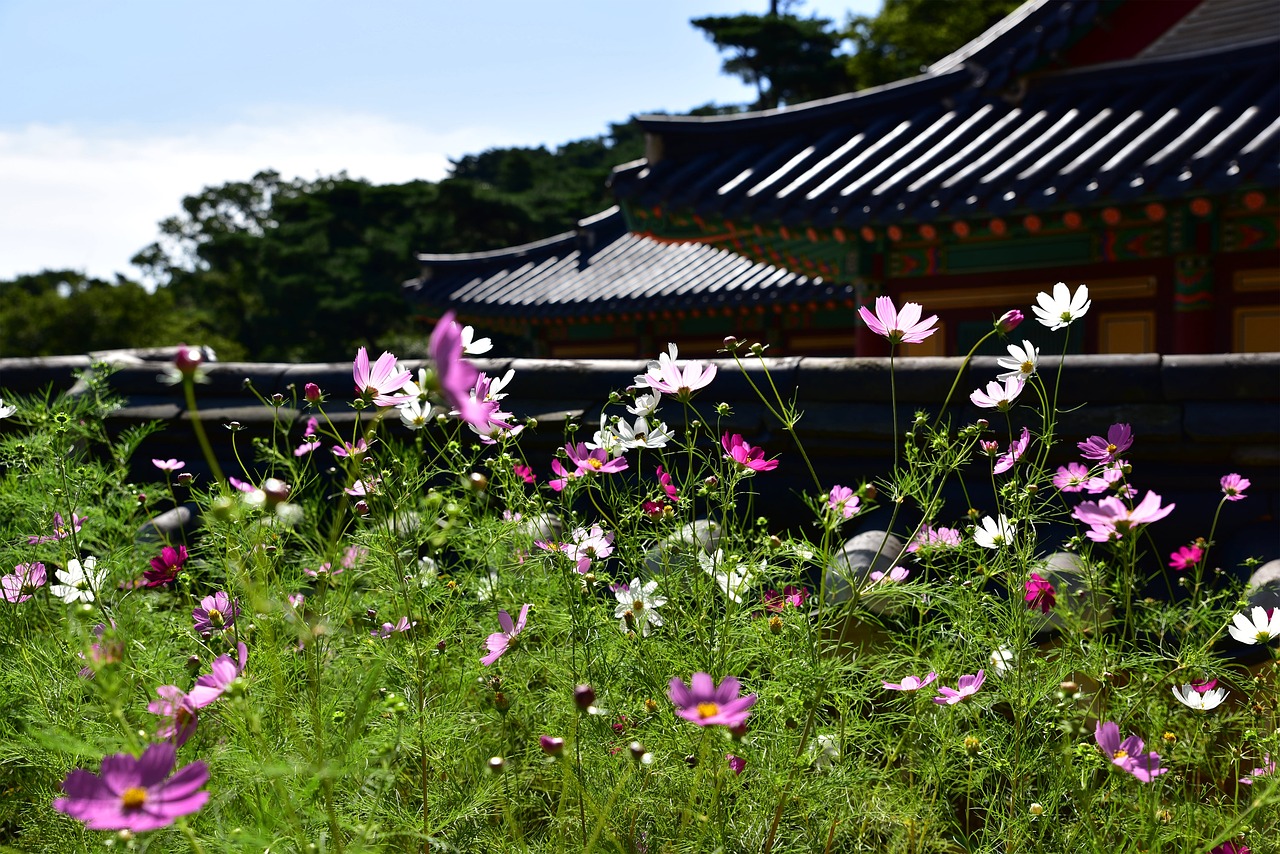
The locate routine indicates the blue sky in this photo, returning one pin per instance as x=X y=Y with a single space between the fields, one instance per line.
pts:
x=111 y=112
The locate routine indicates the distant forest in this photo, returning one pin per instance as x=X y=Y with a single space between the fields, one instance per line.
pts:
x=296 y=270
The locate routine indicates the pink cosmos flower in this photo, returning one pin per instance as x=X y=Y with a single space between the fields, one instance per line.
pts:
x=324 y=570
x=60 y=529
x=346 y=449
x=1186 y=557
x=499 y=642
x=745 y=455
x=1110 y=519
x=363 y=488
x=669 y=378
x=900 y=327
x=664 y=479
x=135 y=794
x=998 y=396
x=25 y=579
x=898 y=573
x=1039 y=594
x=1071 y=477
x=525 y=473
x=1233 y=486
x=559 y=483
x=1119 y=439
x=791 y=595
x=240 y=486
x=708 y=704
x=911 y=683
x=353 y=556
x=165 y=568
x=736 y=763
x=593 y=461
x=843 y=502
x=169 y=465
x=1127 y=755
x=930 y=537
x=1268 y=768
x=588 y=545
x=179 y=713
x=380 y=382
x=399 y=627
x=1111 y=479
x=216 y=613
x=457 y=376
x=1017 y=448
x=306 y=448
x=966 y=688
x=104 y=650
x=1230 y=847
x=212 y=685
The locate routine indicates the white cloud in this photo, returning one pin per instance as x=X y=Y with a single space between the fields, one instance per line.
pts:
x=89 y=199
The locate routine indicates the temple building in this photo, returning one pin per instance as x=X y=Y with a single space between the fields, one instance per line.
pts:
x=1130 y=145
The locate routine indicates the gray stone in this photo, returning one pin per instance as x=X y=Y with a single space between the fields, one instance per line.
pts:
x=1264 y=586
x=851 y=568
x=682 y=546
x=171 y=526
x=1066 y=572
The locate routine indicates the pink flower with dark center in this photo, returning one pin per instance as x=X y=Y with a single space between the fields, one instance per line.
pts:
x=165 y=568
x=736 y=763
x=380 y=381
x=499 y=642
x=525 y=473
x=135 y=794
x=998 y=396
x=911 y=683
x=25 y=580
x=1039 y=594
x=791 y=595
x=708 y=704
x=1119 y=439
x=1071 y=477
x=399 y=627
x=179 y=713
x=593 y=461
x=966 y=688
x=900 y=327
x=588 y=545
x=1186 y=557
x=169 y=465
x=745 y=455
x=216 y=613
x=1111 y=519
x=669 y=378
x=212 y=685
x=1127 y=755
x=1017 y=448
x=1233 y=486
x=60 y=529
x=843 y=502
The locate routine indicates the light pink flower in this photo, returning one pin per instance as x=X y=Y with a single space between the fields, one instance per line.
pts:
x=843 y=502
x=179 y=713
x=898 y=573
x=998 y=396
x=60 y=529
x=1119 y=439
x=790 y=595
x=588 y=545
x=1110 y=519
x=1268 y=768
x=499 y=642
x=930 y=537
x=911 y=683
x=1017 y=448
x=380 y=382
x=399 y=627
x=900 y=327
x=1233 y=486
x=966 y=688
x=1127 y=755
x=745 y=455
x=212 y=685
x=1071 y=477
x=25 y=579
x=346 y=449
x=669 y=378
x=169 y=465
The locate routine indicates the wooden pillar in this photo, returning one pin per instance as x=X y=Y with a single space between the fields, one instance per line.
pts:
x=1193 y=304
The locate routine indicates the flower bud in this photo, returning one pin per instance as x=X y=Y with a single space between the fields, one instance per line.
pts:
x=1036 y=809
x=584 y=697
x=551 y=745
x=275 y=490
x=477 y=481
x=277 y=399
x=971 y=745
x=1009 y=320
x=188 y=359
x=639 y=754
x=185 y=478
x=362 y=508
x=730 y=343
x=312 y=393
x=497 y=764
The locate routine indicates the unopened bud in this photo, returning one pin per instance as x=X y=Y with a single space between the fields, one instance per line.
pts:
x=775 y=624
x=551 y=745
x=497 y=764
x=584 y=697
x=362 y=508
x=188 y=359
x=185 y=478
x=971 y=745
x=1009 y=320
x=312 y=392
x=277 y=399
x=477 y=481
x=1036 y=809
x=730 y=343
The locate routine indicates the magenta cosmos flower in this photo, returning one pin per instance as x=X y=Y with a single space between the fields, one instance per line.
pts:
x=1119 y=439
x=708 y=704
x=379 y=381
x=966 y=688
x=736 y=763
x=596 y=461
x=135 y=794
x=1186 y=557
x=1110 y=519
x=745 y=455
x=791 y=595
x=911 y=683
x=900 y=327
x=457 y=376
x=1128 y=754
x=1017 y=448
x=216 y=613
x=1233 y=486
x=500 y=642
x=25 y=579
x=843 y=502
x=178 y=712
x=1071 y=477
x=166 y=567
x=212 y=685
x=1039 y=594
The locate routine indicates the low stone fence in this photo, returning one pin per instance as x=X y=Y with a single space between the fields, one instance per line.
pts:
x=1195 y=418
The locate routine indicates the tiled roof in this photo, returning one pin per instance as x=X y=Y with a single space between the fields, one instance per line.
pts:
x=1219 y=24
x=938 y=147
x=601 y=267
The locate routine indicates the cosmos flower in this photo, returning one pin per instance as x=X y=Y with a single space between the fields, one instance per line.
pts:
x=669 y=378
x=1119 y=439
x=472 y=346
x=1039 y=594
x=499 y=642
x=525 y=473
x=664 y=480
x=216 y=613
x=25 y=579
x=641 y=435
x=179 y=713
x=1202 y=701
x=899 y=327
x=165 y=568
x=931 y=537
x=60 y=529
x=79 y=581
x=736 y=763
x=379 y=382
x=1063 y=308
x=1259 y=627
x=965 y=688
x=898 y=573
x=998 y=396
x=637 y=606
x=1186 y=557
x=169 y=465
x=645 y=405
x=745 y=455
x=1071 y=477
x=843 y=502
x=994 y=533
x=1017 y=448
x=791 y=595
x=732 y=582
x=1009 y=321
x=1021 y=362
x=1233 y=486
x=708 y=704
x=1127 y=755
x=224 y=671
x=588 y=544
x=1268 y=768
x=388 y=629
x=593 y=461
x=1111 y=519
x=135 y=794
x=911 y=683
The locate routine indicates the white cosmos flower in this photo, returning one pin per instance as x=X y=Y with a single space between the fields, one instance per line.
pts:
x=6 y=411
x=1002 y=660
x=645 y=405
x=732 y=582
x=1192 y=698
x=497 y=385
x=1058 y=311
x=641 y=435
x=1260 y=629
x=607 y=438
x=78 y=581
x=1022 y=363
x=994 y=533
x=641 y=602
x=414 y=414
x=472 y=346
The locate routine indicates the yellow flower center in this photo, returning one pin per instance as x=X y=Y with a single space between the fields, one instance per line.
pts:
x=215 y=617
x=1111 y=449
x=1121 y=754
x=594 y=463
x=1264 y=636
x=637 y=605
x=708 y=710
x=1027 y=367
x=133 y=798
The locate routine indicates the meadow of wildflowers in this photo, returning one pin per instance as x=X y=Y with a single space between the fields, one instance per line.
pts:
x=355 y=642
